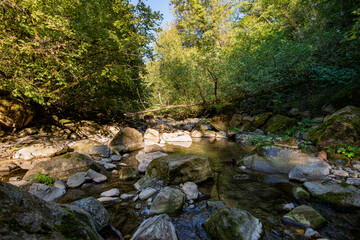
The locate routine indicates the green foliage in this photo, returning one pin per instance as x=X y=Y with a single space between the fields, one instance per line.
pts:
x=228 y=49
x=348 y=151
x=84 y=57
x=304 y=126
x=43 y=178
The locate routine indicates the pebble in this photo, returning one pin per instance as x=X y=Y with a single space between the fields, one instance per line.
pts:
x=126 y=196
x=115 y=157
x=138 y=206
x=357 y=166
x=288 y=207
x=146 y=193
x=311 y=233
x=340 y=173
x=354 y=181
x=111 y=193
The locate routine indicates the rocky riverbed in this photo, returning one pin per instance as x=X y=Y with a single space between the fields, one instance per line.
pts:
x=221 y=178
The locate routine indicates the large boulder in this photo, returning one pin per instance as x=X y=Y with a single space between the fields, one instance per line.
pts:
x=220 y=122
x=62 y=167
x=235 y=121
x=230 y=223
x=127 y=140
x=342 y=127
x=305 y=216
x=156 y=228
x=278 y=123
x=279 y=159
x=180 y=169
x=169 y=200
x=342 y=195
x=91 y=148
x=25 y=216
x=14 y=114
x=96 y=209
x=41 y=150
x=260 y=120
x=316 y=171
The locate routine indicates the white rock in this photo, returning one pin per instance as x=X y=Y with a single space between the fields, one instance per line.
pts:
x=152 y=135
x=107 y=200
x=288 y=207
x=191 y=190
x=111 y=193
x=40 y=150
x=59 y=184
x=126 y=196
x=146 y=193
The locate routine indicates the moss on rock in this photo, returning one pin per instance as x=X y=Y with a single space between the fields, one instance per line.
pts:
x=279 y=123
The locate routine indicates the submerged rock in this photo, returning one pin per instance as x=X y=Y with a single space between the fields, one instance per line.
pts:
x=114 y=192
x=342 y=195
x=146 y=193
x=279 y=160
x=156 y=228
x=180 y=169
x=305 y=216
x=25 y=216
x=127 y=140
x=169 y=200
x=229 y=223
x=128 y=173
x=62 y=167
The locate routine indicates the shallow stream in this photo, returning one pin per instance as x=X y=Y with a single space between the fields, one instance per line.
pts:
x=261 y=194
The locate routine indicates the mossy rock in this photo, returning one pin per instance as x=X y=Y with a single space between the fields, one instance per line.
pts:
x=301 y=194
x=339 y=194
x=279 y=123
x=260 y=120
x=63 y=166
x=339 y=129
x=229 y=223
x=25 y=216
x=305 y=216
x=176 y=169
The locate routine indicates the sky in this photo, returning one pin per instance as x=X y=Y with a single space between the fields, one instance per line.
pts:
x=159 y=5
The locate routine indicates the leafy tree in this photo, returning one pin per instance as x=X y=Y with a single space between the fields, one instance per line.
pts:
x=82 y=57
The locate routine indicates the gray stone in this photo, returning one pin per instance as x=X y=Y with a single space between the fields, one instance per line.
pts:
x=145 y=159
x=96 y=177
x=146 y=193
x=109 y=166
x=169 y=200
x=46 y=192
x=108 y=200
x=156 y=228
x=344 y=196
x=127 y=140
x=191 y=190
x=114 y=192
x=288 y=207
x=77 y=180
x=229 y=223
x=59 y=184
x=311 y=233
x=340 y=173
x=126 y=196
x=315 y=171
x=97 y=211
x=353 y=181
x=115 y=157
